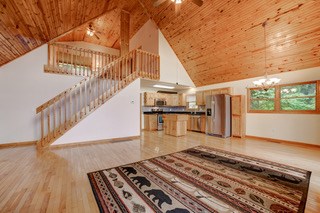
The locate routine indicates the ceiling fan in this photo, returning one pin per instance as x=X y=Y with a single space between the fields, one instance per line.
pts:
x=91 y=32
x=177 y=3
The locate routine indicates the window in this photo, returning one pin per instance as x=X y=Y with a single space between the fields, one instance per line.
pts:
x=289 y=98
x=262 y=100
x=298 y=97
x=191 y=102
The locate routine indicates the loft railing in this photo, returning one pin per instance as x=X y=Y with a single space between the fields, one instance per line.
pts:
x=66 y=59
x=65 y=110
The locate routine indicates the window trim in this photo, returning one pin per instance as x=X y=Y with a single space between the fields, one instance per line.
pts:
x=277 y=100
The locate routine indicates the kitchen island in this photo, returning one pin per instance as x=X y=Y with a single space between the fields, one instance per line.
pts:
x=175 y=124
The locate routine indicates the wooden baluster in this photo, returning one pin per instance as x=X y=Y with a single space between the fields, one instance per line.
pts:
x=60 y=113
x=49 y=129
x=54 y=119
x=52 y=55
x=85 y=98
x=70 y=109
x=90 y=90
x=42 y=125
x=80 y=101
x=76 y=105
x=65 y=111
x=75 y=56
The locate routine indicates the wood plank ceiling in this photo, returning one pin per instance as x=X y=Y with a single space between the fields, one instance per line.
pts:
x=224 y=41
x=27 y=24
x=218 y=42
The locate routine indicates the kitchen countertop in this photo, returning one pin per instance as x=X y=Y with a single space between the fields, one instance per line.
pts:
x=173 y=112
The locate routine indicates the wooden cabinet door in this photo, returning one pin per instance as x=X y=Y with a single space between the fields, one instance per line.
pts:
x=215 y=91
x=236 y=126
x=153 y=122
x=205 y=94
x=199 y=98
x=203 y=123
x=149 y=99
x=175 y=99
x=238 y=115
x=227 y=90
x=182 y=100
x=189 y=123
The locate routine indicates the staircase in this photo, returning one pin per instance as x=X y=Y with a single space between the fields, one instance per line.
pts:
x=64 y=111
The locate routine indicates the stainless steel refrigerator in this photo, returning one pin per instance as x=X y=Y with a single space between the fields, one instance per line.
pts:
x=218 y=115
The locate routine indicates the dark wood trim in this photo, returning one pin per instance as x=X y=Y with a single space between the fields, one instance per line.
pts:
x=295 y=143
x=89 y=143
x=17 y=144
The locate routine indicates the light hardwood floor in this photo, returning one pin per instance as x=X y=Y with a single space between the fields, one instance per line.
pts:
x=56 y=180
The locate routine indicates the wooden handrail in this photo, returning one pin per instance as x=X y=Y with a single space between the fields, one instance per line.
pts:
x=62 y=112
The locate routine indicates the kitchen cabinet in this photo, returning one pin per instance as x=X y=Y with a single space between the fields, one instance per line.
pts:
x=199 y=98
x=151 y=122
x=205 y=94
x=175 y=99
x=189 y=123
x=182 y=99
x=149 y=98
x=227 y=90
x=203 y=123
x=175 y=124
x=238 y=116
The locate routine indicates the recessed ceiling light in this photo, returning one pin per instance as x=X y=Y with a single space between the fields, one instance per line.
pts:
x=163 y=86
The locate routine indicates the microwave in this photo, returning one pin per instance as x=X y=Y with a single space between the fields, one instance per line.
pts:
x=160 y=102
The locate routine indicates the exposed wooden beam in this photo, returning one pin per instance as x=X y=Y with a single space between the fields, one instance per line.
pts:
x=124 y=32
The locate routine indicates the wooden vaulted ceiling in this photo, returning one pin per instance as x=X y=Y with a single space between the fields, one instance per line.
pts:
x=218 y=42
x=27 y=24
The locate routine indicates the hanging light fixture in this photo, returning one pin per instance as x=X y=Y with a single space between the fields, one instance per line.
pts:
x=266 y=83
x=177 y=1
x=90 y=31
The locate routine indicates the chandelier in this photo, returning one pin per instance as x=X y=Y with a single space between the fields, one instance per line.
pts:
x=177 y=1
x=90 y=31
x=266 y=82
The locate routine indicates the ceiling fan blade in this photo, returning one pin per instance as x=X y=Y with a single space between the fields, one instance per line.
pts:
x=198 y=2
x=156 y=3
x=178 y=9
x=95 y=34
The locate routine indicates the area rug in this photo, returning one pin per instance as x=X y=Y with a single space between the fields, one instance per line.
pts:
x=201 y=179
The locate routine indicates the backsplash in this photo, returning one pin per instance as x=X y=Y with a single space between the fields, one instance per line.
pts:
x=164 y=108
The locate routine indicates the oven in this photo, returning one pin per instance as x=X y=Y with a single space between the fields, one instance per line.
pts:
x=160 y=121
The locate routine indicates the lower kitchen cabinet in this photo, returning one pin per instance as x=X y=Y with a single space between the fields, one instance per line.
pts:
x=203 y=123
x=151 y=122
x=175 y=124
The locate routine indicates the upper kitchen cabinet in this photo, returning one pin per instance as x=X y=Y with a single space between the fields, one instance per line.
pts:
x=182 y=99
x=171 y=99
x=149 y=98
x=201 y=95
x=199 y=98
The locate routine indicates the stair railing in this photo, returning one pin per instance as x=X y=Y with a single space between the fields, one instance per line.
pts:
x=65 y=110
x=71 y=60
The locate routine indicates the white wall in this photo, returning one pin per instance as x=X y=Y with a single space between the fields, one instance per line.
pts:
x=119 y=117
x=146 y=38
x=171 y=69
x=91 y=46
x=23 y=87
x=293 y=127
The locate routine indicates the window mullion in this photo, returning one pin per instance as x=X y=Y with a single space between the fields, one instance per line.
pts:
x=277 y=98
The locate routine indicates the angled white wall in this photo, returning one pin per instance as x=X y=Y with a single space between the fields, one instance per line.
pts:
x=23 y=87
x=150 y=38
x=119 y=117
x=171 y=69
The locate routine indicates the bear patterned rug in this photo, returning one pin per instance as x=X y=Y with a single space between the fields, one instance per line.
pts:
x=201 y=179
